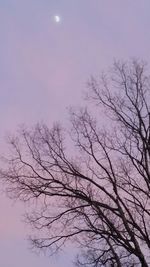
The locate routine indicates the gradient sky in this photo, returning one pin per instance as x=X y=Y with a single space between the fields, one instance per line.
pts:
x=44 y=67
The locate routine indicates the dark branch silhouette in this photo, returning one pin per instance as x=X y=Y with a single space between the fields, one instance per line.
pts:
x=98 y=193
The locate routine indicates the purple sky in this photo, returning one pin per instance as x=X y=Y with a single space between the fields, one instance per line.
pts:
x=43 y=69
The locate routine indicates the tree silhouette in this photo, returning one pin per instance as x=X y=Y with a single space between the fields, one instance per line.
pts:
x=96 y=193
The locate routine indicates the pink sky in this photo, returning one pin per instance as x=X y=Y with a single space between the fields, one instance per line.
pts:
x=43 y=69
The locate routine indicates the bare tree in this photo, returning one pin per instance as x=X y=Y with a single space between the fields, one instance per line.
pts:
x=98 y=193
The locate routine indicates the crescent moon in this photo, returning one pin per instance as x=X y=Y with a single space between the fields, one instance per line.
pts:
x=57 y=18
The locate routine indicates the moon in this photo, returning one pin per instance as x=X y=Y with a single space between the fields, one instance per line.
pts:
x=57 y=18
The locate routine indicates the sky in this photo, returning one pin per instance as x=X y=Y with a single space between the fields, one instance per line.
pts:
x=44 y=67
